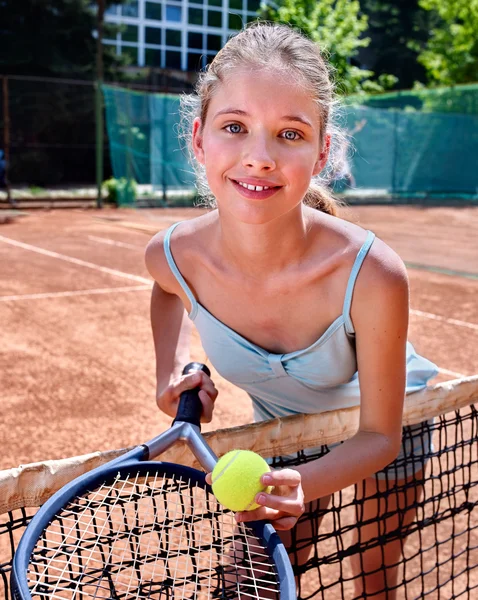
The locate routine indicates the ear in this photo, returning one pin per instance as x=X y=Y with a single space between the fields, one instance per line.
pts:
x=198 y=140
x=323 y=156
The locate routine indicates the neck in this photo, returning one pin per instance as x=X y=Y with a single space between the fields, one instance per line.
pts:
x=259 y=249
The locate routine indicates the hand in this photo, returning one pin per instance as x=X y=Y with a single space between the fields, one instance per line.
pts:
x=168 y=399
x=283 y=506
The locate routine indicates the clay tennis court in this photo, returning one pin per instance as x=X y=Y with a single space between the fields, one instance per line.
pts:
x=77 y=356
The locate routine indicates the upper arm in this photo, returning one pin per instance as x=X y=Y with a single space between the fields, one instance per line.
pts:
x=380 y=316
x=157 y=265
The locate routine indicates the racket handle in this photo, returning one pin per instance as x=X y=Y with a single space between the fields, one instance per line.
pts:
x=190 y=407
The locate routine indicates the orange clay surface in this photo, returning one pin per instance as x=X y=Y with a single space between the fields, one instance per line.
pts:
x=77 y=360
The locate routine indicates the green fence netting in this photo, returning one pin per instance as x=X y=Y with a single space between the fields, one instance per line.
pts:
x=144 y=146
x=420 y=144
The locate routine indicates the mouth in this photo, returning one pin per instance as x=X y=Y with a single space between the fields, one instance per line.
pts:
x=255 y=192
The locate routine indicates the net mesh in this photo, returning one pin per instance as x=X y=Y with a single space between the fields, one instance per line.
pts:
x=340 y=549
x=432 y=518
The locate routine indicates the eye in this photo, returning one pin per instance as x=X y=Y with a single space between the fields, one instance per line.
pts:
x=233 y=128
x=291 y=135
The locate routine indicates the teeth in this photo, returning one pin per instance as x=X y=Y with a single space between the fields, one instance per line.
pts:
x=255 y=188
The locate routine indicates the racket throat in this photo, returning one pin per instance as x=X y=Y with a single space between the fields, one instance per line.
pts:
x=188 y=433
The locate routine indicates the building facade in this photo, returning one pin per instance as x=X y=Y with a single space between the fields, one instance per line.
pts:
x=177 y=34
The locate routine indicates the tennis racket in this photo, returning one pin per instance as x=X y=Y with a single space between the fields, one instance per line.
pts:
x=138 y=528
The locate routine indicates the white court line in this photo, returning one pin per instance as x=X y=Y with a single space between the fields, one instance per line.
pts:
x=75 y=261
x=428 y=315
x=452 y=373
x=110 y=242
x=131 y=288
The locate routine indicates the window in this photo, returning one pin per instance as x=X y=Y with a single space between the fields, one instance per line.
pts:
x=153 y=11
x=173 y=13
x=253 y=5
x=132 y=53
x=173 y=60
x=152 y=58
x=173 y=37
x=152 y=35
x=130 y=9
x=214 y=2
x=130 y=33
x=235 y=21
x=214 y=42
x=194 y=61
x=195 y=1
x=195 y=16
x=236 y=4
x=195 y=41
x=214 y=18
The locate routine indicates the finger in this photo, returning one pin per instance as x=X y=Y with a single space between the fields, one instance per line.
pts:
x=262 y=513
x=288 y=477
x=209 y=478
x=208 y=386
x=207 y=407
x=188 y=382
x=284 y=523
x=291 y=505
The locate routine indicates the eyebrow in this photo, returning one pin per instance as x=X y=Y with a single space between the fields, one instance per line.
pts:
x=243 y=113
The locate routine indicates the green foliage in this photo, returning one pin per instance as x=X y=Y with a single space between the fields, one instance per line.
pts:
x=338 y=27
x=451 y=53
x=397 y=28
x=120 y=191
x=54 y=38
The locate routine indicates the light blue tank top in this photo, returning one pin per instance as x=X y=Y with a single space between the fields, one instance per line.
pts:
x=319 y=378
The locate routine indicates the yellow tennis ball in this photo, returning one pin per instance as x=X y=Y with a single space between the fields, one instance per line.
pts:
x=236 y=479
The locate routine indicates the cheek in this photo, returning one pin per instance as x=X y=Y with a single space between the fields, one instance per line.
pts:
x=301 y=168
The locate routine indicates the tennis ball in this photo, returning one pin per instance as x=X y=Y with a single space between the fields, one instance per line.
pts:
x=236 y=479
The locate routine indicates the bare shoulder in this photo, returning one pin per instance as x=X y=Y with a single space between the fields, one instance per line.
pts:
x=383 y=269
x=381 y=289
x=185 y=242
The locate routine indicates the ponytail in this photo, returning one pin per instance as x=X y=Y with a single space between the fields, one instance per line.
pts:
x=319 y=198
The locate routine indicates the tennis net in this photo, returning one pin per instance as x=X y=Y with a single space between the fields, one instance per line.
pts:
x=433 y=519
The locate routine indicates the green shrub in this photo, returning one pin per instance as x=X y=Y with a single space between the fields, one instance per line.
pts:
x=120 y=191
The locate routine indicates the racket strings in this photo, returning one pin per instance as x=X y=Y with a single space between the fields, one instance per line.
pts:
x=149 y=536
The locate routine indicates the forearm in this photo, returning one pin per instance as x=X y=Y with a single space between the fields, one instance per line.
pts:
x=171 y=335
x=359 y=457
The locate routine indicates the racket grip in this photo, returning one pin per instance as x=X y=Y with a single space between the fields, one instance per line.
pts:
x=190 y=407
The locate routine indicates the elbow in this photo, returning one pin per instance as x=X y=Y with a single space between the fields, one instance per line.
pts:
x=391 y=448
x=386 y=448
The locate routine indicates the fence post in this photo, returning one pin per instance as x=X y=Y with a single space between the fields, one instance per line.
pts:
x=99 y=103
x=6 y=137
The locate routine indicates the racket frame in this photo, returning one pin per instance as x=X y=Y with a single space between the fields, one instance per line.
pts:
x=186 y=427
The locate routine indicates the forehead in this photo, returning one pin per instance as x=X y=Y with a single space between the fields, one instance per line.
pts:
x=265 y=94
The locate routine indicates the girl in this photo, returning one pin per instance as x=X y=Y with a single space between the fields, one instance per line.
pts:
x=292 y=303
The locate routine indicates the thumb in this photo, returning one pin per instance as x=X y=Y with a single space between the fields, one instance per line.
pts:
x=190 y=381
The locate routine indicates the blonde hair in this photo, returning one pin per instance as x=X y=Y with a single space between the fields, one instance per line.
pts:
x=271 y=45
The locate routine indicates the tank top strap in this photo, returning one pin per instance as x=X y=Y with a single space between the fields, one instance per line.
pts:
x=362 y=253
x=175 y=271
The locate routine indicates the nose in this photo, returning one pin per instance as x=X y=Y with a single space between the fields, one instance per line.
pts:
x=258 y=155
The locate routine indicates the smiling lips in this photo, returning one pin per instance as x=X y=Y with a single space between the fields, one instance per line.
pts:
x=255 y=191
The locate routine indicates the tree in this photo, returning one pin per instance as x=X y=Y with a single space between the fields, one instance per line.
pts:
x=451 y=54
x=52 y=121
x=54 y=38
x=338 y=27
x=397 y=28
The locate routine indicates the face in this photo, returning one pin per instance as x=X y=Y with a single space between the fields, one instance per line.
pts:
x=260 y=145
